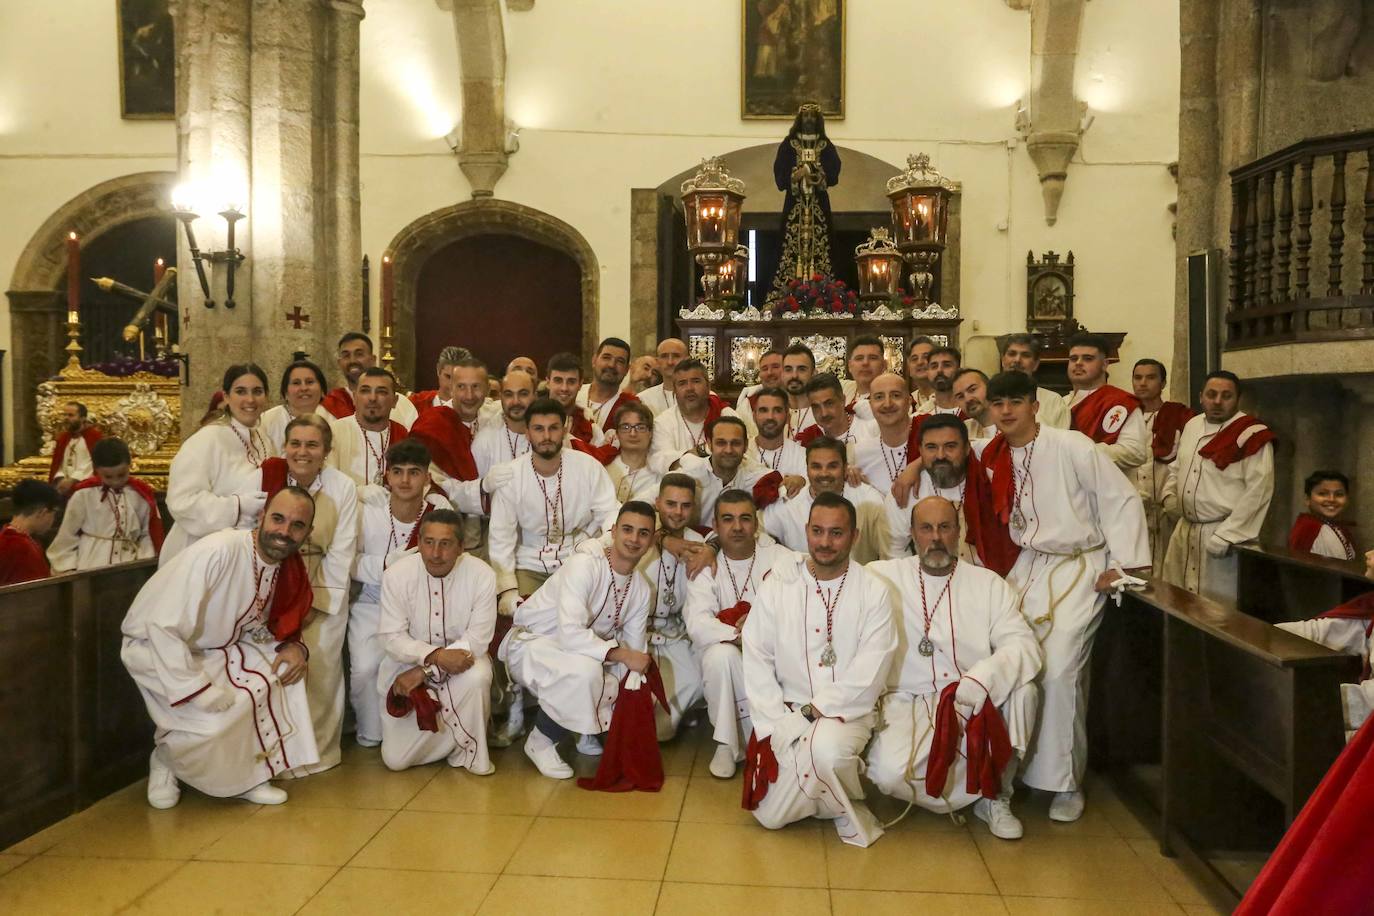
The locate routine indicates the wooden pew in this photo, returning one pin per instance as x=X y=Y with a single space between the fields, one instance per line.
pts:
x=1277 y=584
x=75 y=725
x=1249 y=719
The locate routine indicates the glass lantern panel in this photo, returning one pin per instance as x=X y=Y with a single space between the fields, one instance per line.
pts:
x=919 y=217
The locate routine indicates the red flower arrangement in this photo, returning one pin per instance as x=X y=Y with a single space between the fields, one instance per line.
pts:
x=817 y=294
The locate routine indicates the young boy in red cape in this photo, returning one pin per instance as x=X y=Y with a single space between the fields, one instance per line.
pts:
x=35 y=510
x=111 y=517
x=1321 y=530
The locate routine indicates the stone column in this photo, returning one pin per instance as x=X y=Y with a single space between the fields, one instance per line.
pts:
x=38 y=332
x=267 y=107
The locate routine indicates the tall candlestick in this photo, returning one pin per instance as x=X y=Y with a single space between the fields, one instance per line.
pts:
x=388 y=291
x=73 y=277
x=159 y=268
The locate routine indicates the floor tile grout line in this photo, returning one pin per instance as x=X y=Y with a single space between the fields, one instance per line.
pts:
x=338 y=869
x=155 y=885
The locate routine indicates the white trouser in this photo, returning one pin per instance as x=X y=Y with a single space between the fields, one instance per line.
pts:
x=1188 y=564
x=900 y=751
x=324 y=636
x=576 y=691
x=682 y=683
x=722 y=671
x=818 y=776
x=365 y=655
x=464 y=701
x=1059 y=601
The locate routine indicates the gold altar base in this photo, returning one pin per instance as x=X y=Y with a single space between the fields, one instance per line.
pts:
x=731 y=349
x=143 y=409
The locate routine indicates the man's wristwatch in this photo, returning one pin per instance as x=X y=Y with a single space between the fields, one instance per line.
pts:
x=809 y=713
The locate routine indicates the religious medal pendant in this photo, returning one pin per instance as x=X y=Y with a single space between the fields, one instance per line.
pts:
x=1018 y=519
x=259 y=633
x=828 y=656
x=926 y=647
x=669 y=598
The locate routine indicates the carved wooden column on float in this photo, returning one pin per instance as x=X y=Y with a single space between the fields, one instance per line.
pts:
x=267 y=113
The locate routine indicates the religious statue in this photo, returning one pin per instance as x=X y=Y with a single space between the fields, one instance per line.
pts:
x=807 y=165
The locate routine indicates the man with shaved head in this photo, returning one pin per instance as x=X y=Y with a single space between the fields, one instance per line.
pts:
x=504 y=441
x=965 y=656
x=660 y=397
x=881 y=458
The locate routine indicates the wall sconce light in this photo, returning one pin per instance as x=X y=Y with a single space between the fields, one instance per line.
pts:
x=184 y=209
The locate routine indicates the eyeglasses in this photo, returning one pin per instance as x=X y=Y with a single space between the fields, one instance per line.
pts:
x=633 y=427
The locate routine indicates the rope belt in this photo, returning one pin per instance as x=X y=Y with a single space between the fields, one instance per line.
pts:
x=1079 y=558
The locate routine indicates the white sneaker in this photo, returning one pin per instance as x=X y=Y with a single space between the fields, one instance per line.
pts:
x=996 y=813
x=1066 y=807
x=723 y=763
x=544 y=754
x=508 y=732
x=366 y=742
x=264 y=793
x=163 y=791
x=588 y=746
x=490 y=768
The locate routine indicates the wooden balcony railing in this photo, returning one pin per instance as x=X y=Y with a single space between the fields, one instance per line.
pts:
x=1302 y=262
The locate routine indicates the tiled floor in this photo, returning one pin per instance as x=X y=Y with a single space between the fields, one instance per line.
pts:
x=361 y=839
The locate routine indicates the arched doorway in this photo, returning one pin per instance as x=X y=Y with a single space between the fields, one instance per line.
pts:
x=499 y=295
x=415 y=245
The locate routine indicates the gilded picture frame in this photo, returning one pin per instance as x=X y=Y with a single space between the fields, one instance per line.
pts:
x=147 y=59
x=792 y=52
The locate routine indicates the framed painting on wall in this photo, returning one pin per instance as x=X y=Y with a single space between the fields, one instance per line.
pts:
x=147 y=60
x=792 y=52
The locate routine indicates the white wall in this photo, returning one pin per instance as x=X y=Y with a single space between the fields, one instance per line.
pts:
x=612 y=95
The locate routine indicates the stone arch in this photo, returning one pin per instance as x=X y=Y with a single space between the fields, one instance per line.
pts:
x=37 y=309
x=414 y=244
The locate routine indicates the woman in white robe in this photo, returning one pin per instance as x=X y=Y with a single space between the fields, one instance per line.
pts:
x=302 y=388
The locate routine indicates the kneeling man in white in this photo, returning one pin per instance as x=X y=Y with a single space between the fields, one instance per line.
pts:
x=437 y=619
x=959 y=624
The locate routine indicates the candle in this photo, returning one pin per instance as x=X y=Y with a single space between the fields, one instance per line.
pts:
x=388 y=290
x=159 y=268
x=73 y=278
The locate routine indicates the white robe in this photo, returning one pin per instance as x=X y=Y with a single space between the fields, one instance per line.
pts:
x=710 y=486
x=789 y=459
x=561 y=634
x=404 y=413
x=899 y=518
x=76 y=464
x=580 y=494
x=420 y=614
x=274 y=419
x=1342 y=634
x=1132 y=446
x=1053 y=409
x=1229 y=505
x=191 y=626
x=716 y=644
x=881 y=464
x=496 y=444
x=1330 y=542
x=658 y=398
x=977 y=632
x=1149 y=480
x=328 y=556
x=784 y=639
x=1082 y=517
x=641 y=483
x=599 y=414
x=675 y=436
x=360 y=453
x=785 y=521
x=204 y=475
x=381 y=541
x=101 y=528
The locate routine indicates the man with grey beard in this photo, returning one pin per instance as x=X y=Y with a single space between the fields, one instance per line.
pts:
x=965 y=657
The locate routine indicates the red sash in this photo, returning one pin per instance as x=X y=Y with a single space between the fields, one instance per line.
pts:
x=448 y=439
x=730 y=616
x=760 y=771
x=985 y=530
x=291 y=600
x=987 y=747
x=631 y=760
x=90 y=434
x=766 y=489
x=1307 y=526
x=339 y=402
x=808 y=435
x=997 y=461
x=21 y=559
x=1169 y=422
x=603 y=453
x=580 y=425
x=274 y=472
x=155 y=532
x=1097 y=417
x=714 y=408
x=423 y=400
x=421 y=702
x=1234 y=444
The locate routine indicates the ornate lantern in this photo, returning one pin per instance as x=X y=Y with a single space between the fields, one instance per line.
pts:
x=711 y=203
x=880 y=268
x=920 y=215
x=733 y=273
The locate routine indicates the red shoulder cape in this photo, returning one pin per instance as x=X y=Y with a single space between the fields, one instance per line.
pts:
x=985 y=530
x=1307 y=526
x=1240 y=440
x=603 y=453
x=21 y=559
x=339 y=402
x=625 y=397
x=423 y=400
x=449 y=441
x=145 y=492
x=1169 y=422
x=1090 y=415
x=89 y=433
x=291 y=600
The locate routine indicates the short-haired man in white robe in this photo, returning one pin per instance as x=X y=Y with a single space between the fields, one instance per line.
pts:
x=668 y=354
x=959 y=623
x=575 y=637
x=727 y=467
x=718 y=604
x=438 y=618
x=213 y=641
x=360 y=440
x=771 y=445
x=1220 y=484
x=827 y=469
x=817 y=648
x=682 y=428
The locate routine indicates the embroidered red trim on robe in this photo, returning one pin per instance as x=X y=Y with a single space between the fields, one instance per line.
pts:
x=21 y=559
x=146 y=493
x=90 y=434
x=1169 y=422
x=1238 y=441
x=631 y=760
x=1089 y=414
x=1306 y=528
x=339 y=402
